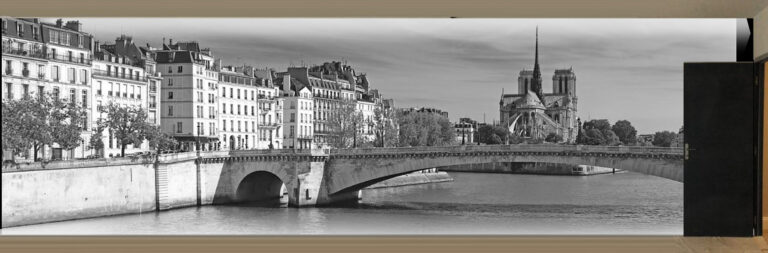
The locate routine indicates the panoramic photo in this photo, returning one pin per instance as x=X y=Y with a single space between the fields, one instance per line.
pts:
x=340 y=126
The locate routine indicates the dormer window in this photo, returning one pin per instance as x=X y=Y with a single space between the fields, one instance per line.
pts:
x=20 y=29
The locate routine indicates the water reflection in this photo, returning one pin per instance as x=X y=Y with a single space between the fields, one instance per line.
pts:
x=473 y=203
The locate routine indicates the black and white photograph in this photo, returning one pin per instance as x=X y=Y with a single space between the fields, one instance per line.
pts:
x=348 y=126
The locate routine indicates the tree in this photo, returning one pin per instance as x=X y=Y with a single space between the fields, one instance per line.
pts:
x=35 y=122
x=593 y=137
x=128 y=124
x=385 y=127
x=425 y=129
x=160 y=141
x=554 y=138
x=625 y=131
x=96 y=142
x=486 y=134
x=344 y=124
x=663 y=138
x=67 y=122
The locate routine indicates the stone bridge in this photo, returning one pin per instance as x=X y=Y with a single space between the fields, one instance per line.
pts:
x=45 y=192
x=319 y=177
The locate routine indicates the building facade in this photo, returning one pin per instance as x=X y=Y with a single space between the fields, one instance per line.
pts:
x=41 y=58
x=298 y=108
x=189 y=93
x=121 y=75
x=238 y=111
x=533 y=114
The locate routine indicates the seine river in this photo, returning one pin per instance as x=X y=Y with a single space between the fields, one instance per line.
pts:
x=475 y=203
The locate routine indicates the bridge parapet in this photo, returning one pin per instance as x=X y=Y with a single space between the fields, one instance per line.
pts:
x=573 y=150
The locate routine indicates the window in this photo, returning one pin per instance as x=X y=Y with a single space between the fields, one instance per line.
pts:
x=85 y=98
x=71 y=75
x=35 y=32
x=138 y=94
x=293 y=117
x=55 y=73
x=231 y=93
x=238 y=93
x=253 y=112
x=238 y=109
x=170 y=82
x=20 y=29
x=292 y=131
x=72 y=96
x=170 y=69
x=170 y=95
x=125 y=90
x=56 y=92
x=170 y=110
x=9 y=90
x=181 y=69
x=224 y=108
x=224 y=92
x=25 y=89
x=40 y=92
x=232 y=125
x=83 y=76
x=178 y=127
x=224 y=125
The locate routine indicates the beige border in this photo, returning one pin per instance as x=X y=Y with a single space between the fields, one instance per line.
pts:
x=382 y=8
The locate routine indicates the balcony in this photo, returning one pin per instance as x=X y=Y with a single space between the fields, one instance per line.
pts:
x=304 y=137
x=68 y=58
x=269 y=125
x=263 y=98
x=20 y=52
x=103 y=73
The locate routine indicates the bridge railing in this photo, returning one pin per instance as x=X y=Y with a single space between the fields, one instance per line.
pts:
x=518 y=148
x=269 y=152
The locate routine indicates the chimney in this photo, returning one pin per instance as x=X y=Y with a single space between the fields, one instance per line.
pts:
x=170 y=42
x=59 y=22
x=287 y=83
x=74 y=25
x=96 y=46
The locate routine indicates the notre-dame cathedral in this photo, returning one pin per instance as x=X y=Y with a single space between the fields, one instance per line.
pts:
x=531 y=113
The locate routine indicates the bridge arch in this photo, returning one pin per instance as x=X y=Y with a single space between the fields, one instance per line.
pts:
x=253 y=181
x=351 y=173
x=260 y=186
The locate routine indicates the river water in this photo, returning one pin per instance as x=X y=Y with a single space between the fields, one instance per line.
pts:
x=475 y=203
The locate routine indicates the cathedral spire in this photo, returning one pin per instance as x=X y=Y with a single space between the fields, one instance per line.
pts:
x=536 y=84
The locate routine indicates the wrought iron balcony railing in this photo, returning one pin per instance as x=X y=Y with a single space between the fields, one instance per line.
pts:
x=138 y=78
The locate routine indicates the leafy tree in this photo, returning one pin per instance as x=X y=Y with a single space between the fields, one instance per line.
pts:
x=128 y=124
x=610 y=138
x=593 y=137
x=385 y=127
x=663 y=138
x=96 y=142
x=625 y=131
x=160 y=141
x=67 y=122
x=486 y=134
x=425 y=129
x=344 y=123
x=35 y=122
x=554 y=138
x=599 y=124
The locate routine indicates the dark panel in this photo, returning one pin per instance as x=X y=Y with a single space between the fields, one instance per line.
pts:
x=720 y=173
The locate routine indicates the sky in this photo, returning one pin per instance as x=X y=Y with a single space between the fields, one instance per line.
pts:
x=626 y=69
